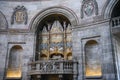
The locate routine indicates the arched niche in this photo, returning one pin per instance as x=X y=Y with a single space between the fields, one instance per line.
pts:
x=3 y=22
x=92 y=59
x=53 y=35
x=14 y=63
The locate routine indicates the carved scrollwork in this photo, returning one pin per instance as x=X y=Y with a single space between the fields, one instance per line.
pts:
x=89 y=7
x=19 y=15
x=48 y=66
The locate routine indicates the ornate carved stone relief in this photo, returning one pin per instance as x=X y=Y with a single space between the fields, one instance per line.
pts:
x=19 y=15
x=89 y=7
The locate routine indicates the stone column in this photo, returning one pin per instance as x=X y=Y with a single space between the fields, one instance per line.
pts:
x=75 y=69
x=108 y=67
x=75 y=66
x=38 y=66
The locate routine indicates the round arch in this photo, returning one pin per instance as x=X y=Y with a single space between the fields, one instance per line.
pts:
x=53 y=10
x=91 y=42
x=108 y=8
x=17 y=47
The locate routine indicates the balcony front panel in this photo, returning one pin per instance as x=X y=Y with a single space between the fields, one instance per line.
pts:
x=53 y=67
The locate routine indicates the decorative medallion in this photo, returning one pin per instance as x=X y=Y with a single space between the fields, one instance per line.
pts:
x=19 y=15
x=89 y=7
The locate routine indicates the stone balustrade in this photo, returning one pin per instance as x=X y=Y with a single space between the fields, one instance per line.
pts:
x=115 y=21
x=53 y=67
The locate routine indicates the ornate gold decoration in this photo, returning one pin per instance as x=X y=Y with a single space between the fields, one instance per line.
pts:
x=56 y=36
x=44 y=51
x=14 y=73
x=68 y=50
x=93 y=70
x=55 y=50
x=56 y=27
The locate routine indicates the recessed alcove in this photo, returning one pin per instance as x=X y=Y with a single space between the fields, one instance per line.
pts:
x=14 y=64
x=92 y=60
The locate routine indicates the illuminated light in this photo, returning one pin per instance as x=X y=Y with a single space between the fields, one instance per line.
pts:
x=69 y=57
x=14 y=73
x=93 y=72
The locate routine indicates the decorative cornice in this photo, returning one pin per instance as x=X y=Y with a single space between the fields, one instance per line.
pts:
x=82 y=25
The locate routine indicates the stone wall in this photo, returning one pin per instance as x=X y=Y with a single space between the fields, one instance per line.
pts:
x=101 y=33
x=88 y=27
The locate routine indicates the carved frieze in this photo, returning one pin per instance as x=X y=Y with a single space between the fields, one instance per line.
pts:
x=89 y=7
x=19 y=15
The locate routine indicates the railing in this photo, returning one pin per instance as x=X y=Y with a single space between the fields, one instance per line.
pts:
x=53 y=67
x=115 y=21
